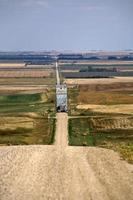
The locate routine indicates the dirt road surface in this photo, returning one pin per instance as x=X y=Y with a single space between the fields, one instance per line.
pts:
x=61 y=172
x=61 y=136
x=57 y=74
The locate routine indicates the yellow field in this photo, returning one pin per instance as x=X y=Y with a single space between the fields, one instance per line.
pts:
x=18 y=65
x=98 y=80
x=124 y=109
x=13 y=123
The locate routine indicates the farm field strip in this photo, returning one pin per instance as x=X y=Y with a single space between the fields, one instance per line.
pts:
x=97 y=74
x=102 y=81
x=10 y=65
x=60 y=171
x=24 y=118
x=101 y=115
x=97 y=63
x=107 y=132
x=32 y=73
x=123 y=109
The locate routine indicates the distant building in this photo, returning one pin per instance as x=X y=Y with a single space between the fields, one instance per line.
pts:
x=61 y=98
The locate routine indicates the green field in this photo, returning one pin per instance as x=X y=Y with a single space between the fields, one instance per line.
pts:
x=41 y=103
x=27 y=118
x=89 y=132
x=105 y=128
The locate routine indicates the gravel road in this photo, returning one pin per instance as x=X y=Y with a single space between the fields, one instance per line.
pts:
x=61 y=136
x=61 y=172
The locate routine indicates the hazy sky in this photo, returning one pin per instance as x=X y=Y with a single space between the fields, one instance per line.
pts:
x=66 y=25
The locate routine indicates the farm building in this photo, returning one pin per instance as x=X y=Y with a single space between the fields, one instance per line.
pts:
x=61 y=98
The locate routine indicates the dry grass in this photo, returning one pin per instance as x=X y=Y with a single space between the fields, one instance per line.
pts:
x=26 y=130
x=24 y=73
x=117 y=93
x=98 y=81
x=108 y=132
x=69 y=70
x=101 y=98
x=111 y=123
x=123 y=109
x=13 y=123
x=10 y=65
x=99 y=62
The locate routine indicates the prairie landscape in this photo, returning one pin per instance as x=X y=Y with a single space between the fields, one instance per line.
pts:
x=82 y=154
x=24 y=75
x=24 y=118
x=102 y=115
x=66 y=100
x=27 y=99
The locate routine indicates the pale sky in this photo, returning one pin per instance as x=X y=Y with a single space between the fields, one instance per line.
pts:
x=77 y=25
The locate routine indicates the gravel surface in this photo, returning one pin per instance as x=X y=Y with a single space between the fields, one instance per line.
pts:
x=61 y=172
